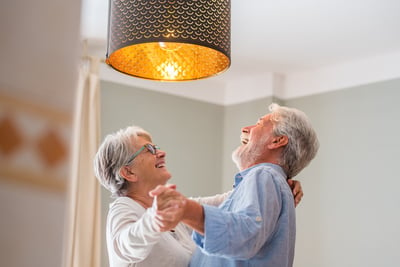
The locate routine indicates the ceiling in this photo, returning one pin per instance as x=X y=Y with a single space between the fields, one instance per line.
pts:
x=287 y=35
x=306 y=43
x=279 y=37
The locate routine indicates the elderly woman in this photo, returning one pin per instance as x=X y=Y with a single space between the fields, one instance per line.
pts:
x=141 y=232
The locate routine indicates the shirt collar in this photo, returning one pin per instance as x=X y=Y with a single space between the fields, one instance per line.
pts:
x=239 y=176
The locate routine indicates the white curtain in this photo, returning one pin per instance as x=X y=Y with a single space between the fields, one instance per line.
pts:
x=82 y=240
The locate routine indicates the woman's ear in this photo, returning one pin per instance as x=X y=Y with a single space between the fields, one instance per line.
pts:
x=127 y=173
x=278 y=141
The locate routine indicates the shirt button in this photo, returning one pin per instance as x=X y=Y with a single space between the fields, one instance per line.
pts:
x=258 y=219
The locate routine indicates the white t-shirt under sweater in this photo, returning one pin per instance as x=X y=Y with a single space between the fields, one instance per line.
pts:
x=132 y=241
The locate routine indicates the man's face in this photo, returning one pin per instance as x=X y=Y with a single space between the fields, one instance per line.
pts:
x=255 y=139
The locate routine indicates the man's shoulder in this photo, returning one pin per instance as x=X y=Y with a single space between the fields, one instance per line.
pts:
x=264 y=174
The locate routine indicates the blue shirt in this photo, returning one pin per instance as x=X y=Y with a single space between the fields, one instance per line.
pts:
x=255 y=226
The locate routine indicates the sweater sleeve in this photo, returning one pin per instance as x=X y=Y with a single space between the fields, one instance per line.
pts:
x=212 y=200
x=131 y=234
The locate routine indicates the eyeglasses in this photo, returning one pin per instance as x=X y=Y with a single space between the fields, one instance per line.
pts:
x=151 y=148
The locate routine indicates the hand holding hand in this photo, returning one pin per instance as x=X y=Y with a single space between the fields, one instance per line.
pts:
x=169 y=206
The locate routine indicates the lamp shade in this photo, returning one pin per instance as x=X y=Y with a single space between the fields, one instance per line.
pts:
x=169 y=40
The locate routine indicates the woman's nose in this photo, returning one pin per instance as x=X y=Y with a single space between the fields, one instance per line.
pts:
x=161 y=153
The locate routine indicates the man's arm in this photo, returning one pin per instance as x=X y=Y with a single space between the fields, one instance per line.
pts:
x=194 y=216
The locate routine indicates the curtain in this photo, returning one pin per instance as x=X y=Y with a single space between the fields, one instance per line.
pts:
x=82 y=240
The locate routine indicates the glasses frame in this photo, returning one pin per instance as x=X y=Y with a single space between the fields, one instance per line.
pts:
x=150 y=147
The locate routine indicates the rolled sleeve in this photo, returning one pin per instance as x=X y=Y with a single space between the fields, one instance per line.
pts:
x=214 y=230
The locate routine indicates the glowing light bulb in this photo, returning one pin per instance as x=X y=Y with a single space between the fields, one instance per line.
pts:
x=170 y=70
x=169 y=46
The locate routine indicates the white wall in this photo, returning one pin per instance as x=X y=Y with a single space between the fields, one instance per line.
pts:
x=349 y=215
x=32 y=225
x=39 y=57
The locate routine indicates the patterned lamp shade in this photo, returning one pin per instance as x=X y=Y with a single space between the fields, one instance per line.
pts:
x=169 y=40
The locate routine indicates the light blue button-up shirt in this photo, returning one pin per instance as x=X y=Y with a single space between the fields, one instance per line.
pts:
x=255 y=226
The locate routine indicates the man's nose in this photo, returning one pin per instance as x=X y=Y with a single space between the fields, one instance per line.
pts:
x=247 y=129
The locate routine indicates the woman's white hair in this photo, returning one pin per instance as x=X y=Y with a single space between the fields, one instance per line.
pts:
x=112 y=155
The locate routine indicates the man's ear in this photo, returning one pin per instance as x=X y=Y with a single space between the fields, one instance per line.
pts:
x=127 y=173
x=278 y=141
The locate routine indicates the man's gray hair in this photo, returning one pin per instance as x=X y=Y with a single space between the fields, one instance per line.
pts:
x=303 y=142
x=112 y=155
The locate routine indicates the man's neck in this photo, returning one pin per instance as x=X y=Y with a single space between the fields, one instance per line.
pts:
x=251 y=164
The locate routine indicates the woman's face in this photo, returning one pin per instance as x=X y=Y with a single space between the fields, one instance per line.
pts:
x=149 y=169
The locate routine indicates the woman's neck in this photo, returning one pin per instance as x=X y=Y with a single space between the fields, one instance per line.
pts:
x=145 y=201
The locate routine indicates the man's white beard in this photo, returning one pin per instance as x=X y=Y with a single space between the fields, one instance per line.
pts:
x=246 y=155
x=236 y=156
x=242 y=156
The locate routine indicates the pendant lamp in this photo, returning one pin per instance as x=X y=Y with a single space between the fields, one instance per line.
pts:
x=169 y=40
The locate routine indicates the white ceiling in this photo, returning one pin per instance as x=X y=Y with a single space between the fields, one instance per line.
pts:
x=291 y=35
x=280 y=38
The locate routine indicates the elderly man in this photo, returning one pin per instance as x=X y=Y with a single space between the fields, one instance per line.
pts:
x=255 y=225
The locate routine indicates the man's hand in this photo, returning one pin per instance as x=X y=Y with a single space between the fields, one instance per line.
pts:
x=296 y=190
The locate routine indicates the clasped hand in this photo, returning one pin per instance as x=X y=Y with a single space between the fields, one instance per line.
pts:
x=169 y=206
